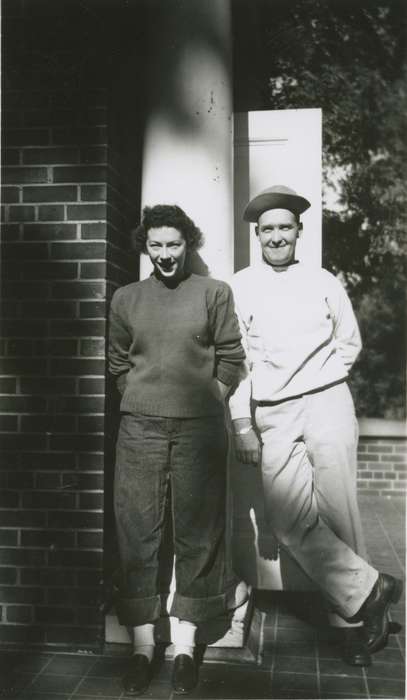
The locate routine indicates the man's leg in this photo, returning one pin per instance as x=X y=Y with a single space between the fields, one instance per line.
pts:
x=291 y=508
x=331 y=437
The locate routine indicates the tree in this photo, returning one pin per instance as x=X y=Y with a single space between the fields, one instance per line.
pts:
x=349 y=58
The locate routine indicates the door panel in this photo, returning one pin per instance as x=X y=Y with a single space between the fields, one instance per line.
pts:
x=281 y=147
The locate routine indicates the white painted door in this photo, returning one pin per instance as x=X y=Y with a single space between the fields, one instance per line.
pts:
x=278 y=147
x=270 y=148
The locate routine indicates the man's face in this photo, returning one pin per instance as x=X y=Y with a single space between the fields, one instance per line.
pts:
x=278 y=230
x=167 y=249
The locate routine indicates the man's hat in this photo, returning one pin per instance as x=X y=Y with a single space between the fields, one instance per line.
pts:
x=277 y=197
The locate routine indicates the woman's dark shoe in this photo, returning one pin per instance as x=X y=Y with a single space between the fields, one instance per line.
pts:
x=374 y=611
x=184 y=675
x=354 y=648
x=138 y=676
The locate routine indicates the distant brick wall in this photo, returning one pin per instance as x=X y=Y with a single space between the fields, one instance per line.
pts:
x=66 y=205
x=382 y=466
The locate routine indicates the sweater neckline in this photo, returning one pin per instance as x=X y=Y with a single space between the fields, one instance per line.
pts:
x=290 y=269
x=171 y=288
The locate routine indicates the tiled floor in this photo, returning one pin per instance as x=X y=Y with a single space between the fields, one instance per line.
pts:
x=297 y=660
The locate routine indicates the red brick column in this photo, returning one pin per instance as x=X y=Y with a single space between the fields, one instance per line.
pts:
x=65 y=213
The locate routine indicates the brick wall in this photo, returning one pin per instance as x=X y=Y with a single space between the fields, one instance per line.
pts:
x=382 y=466
x=66 y=202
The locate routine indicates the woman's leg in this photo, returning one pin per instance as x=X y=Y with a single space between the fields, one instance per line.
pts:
x=141 y=480
x=198 y=472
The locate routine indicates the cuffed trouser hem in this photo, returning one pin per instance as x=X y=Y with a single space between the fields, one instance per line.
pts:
x=336 y=620
x=138 y=611
x=355 y=602
x=198 y=609
x=202 y=609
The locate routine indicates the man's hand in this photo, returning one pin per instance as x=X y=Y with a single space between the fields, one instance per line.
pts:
x=247 y=444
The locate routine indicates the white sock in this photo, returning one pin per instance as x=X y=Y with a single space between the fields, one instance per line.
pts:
x=143 y=640
x=184 y=638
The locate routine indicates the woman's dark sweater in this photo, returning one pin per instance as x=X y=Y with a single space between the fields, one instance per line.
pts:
x=167 y=346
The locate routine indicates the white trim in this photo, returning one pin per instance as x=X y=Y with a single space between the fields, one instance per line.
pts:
x=380 y=427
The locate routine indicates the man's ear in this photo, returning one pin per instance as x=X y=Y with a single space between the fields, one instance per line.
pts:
x=299 y=229
x=256 y=230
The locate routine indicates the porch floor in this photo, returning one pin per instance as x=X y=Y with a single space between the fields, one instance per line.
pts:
x=297 y=660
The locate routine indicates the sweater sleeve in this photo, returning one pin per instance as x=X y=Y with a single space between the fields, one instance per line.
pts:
x=119 y=341
x=224 y=326
x=346 y=329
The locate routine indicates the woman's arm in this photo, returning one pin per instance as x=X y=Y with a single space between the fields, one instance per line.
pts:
x=119 y=342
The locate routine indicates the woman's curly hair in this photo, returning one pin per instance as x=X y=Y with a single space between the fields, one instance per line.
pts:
x=166 y=215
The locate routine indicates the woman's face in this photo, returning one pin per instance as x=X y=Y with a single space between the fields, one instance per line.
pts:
x=167 y=249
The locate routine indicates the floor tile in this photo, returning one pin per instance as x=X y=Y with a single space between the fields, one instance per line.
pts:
x=14 y=684
x=158 y=691
x=294 y=694
x=54 y=684
x=90 y=697
x=338 y=667
x=225 y=681
x=345 y=684
x=386 y=688
x=93 y=697
x=100 y=687
x=294 y=681
x=391 y=655
x=109 y=667
x=30 y=695
x=343 y=696
x=294 y=634
x=295 y=664
x=287 y=648
x=24 y=662
x=381 y=669
x=70 y=665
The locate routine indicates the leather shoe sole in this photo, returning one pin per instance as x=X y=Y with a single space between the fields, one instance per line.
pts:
x=184 y=675
x=138 y=676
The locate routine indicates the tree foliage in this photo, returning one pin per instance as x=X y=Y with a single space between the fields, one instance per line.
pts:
x=349 y=58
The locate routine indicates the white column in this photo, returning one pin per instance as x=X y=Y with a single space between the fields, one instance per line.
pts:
x=188 y=140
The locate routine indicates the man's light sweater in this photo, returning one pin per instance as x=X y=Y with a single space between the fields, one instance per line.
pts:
x=298 y=329
x=168 y=345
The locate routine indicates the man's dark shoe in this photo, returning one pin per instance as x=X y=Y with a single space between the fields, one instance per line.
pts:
x=374 y=611
x=184 y=675
x=138 y=676
x=354 y=649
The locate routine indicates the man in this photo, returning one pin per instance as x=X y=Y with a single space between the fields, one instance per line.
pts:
x=293 y=412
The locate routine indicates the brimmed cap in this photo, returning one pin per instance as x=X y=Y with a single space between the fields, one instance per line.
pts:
x=277 y=197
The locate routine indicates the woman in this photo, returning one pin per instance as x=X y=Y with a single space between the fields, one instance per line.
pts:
x=175 y=349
